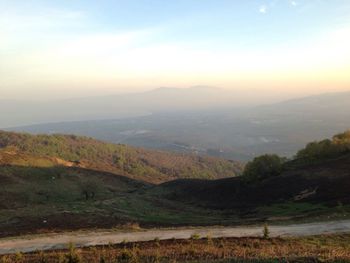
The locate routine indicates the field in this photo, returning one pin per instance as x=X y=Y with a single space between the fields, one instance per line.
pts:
x=326 y=248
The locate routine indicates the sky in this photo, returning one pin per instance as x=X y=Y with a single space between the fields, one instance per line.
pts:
x=79 y=48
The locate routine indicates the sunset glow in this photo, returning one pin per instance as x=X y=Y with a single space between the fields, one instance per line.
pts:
x=299 y=47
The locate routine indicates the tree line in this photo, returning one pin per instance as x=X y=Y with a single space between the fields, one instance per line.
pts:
x=270 y=165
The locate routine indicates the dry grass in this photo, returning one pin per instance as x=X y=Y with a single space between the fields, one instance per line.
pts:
x=334 y=248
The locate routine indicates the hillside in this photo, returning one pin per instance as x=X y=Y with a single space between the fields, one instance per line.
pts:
x=45 y=194
x=48 y=183
x=326 y=183
x=145 y=165
x=316 y=179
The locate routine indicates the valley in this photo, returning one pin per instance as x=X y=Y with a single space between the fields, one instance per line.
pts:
x=224 y=130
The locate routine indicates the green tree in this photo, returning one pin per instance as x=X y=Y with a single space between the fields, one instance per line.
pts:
x=264 y=166
x=89 y=189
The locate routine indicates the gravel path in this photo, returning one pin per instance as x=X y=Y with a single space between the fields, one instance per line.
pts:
x=84 y=239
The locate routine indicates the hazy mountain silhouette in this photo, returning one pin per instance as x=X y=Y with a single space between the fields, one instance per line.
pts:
x=17 y=113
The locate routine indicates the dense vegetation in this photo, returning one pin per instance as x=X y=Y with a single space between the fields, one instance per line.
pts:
x=270 y=165
x=137 y=163
x=264 y=166
x=318 y=151
x=330 y=248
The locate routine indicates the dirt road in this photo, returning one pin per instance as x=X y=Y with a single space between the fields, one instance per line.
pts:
x=84 y=239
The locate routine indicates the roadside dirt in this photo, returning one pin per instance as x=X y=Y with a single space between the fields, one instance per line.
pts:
x=93 y=238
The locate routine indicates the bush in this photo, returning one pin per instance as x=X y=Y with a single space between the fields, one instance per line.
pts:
x=127 y=256
x=266 y=231
x=264 y=166
x=195 y=236
x=316 y=151
x=72 y=256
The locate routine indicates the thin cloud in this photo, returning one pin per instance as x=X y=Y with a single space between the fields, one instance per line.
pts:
x=293 y=3
x=263 y=9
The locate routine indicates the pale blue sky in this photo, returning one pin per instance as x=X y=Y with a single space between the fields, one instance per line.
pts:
x=114 y=46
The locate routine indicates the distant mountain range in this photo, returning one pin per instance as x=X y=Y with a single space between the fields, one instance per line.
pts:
x=225 y=131
x=18 y=113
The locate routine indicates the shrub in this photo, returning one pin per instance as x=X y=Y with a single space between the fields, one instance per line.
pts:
x=19 y=256
x=316 y=151
x=195 y=236
x=72 y=256
x=266 y=231
x=264 y=166
x=127 y=256
x=157 y=242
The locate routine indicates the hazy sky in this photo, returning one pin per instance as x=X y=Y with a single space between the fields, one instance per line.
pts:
x=69 y=48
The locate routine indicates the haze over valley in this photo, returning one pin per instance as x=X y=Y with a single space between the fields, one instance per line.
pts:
x=203 y=120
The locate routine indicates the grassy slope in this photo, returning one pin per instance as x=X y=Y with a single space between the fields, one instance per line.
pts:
x=68 y=182
x=44 y=193
x=52 y=198
x=316 y=189
x=44 y=188
x=146 y=165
